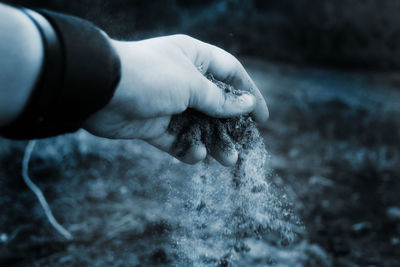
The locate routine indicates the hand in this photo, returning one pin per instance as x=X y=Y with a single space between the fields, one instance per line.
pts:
x=162 y=77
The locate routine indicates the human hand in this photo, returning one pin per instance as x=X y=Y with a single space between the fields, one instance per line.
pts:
x=164 y=76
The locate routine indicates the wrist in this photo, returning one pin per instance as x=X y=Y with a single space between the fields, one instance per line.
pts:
x=128 y=92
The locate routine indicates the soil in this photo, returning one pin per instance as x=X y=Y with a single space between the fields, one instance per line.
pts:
x=226 y=134
x=333 y=151
x=250 y=209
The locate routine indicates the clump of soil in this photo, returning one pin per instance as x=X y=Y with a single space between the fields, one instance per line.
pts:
x=193 y=127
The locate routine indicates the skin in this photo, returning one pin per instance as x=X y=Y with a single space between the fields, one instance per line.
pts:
x=21 y=56
x=160 y=77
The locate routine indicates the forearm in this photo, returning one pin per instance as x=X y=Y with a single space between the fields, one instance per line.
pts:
x=78 y=74
x=21 y=54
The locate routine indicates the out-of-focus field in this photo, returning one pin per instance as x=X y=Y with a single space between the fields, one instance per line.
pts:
x=347 y=33
x=334 y=140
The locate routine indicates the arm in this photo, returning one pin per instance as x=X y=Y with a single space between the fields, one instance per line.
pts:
x=21 y=55
x=160 y=77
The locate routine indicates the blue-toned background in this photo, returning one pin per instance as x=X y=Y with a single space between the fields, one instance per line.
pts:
x=349 y=33
x=329 y=73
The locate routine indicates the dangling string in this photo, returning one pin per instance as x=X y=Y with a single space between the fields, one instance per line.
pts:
x=38 y=193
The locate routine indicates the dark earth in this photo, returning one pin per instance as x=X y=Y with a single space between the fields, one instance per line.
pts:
x=333 y=139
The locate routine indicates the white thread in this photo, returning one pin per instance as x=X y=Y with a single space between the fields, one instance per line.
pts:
x=38 y=193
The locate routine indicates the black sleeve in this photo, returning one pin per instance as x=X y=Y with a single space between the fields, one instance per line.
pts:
x=80 y=72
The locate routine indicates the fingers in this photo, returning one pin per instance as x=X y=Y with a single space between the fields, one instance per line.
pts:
x=226 y=157
x=196 y=151
x=194 y=154
x=228 y=69
x=190 y=154
x=223 y=149
x=207 y=98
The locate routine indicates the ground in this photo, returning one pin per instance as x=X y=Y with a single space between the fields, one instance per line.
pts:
x=334 y=144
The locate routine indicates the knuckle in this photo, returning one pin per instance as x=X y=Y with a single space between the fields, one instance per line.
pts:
x=216 y=99
x=183 y=37
x=234 y=62
x=188 y=44
x=194 y=97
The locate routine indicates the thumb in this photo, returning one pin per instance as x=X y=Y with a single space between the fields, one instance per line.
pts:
x=209 y=99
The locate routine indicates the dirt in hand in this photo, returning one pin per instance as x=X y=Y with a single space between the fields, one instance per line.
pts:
x=227 y=209
x=193 y=127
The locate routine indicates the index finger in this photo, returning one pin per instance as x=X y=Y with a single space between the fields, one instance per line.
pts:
x=227 y=68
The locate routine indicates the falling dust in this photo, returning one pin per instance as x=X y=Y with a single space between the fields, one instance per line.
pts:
x=227 y=212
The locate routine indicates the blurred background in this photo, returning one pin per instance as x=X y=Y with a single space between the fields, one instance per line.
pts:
x=347 y=33
x=330 y=73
